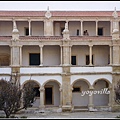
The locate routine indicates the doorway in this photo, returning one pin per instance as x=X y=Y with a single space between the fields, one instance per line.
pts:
x=48 y=95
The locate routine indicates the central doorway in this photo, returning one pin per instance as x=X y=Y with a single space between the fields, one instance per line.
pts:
x=48 y=95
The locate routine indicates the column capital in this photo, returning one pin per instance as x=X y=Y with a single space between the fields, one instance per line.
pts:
x=42 y=89
x=90 y=45
x=41 y=46
x=91 y=88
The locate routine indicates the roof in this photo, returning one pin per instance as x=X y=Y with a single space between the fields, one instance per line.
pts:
x=56 y=13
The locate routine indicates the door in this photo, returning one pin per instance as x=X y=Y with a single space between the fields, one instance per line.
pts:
x=48 y=96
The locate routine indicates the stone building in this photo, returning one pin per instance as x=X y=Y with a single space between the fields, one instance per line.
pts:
x=50 y=49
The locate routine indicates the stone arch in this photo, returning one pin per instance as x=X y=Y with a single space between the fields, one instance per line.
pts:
x=30 y=81
x=102 y=79
x=78 y=99
x=51 y=80
x=81 y=79
x=102 y=96
x=52 y=94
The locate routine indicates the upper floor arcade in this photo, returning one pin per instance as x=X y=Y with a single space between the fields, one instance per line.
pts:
x=51 y=23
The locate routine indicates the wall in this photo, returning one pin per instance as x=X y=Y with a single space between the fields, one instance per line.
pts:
x=73 y=26
x=105 y=26
x=21 y=25
x=100 y=99
x=6 y=28
x=37 y=28
x=77 y=99
x=100 y=54
x=25 y=53
x=90 y=27
x=51 y=55
x=80 y=52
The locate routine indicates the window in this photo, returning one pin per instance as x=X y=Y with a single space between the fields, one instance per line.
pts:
x=76 y=89
x=26 y=31
x=77 y=32
x=100 y=31
x=62 y=30
x=88 y=59
x=34 y=58
x=73 y=60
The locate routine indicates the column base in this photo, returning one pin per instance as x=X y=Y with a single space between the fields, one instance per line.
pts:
x=41 y=65
x=67 y=108
x=41 y=106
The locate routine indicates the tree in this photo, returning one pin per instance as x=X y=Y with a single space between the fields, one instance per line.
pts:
x=11 y=95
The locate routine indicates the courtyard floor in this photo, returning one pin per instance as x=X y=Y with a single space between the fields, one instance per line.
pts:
x=55 y=113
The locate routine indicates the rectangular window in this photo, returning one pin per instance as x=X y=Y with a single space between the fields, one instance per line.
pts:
x=88 y=60
x=26 y=31
x=100 y=31
x=76 y=89
x=34 y=58
x=77 y=32
x=73 y=60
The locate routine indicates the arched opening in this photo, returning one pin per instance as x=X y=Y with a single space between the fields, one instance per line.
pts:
x=78 y=98
x=52 y=93
x=36 y=87
x=101 y=93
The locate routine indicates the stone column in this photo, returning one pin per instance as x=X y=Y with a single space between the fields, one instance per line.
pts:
x=116 y=57
x=70 y=54
x=111 y=29
x=110 y=97
x=96 y=28
x=29 y=27
x=90 y=54
x=60 y=89
x=41 y=55
x=110 y=55
x=11 y=55
x=42 y=104
x=61 y=55
x=90 y=105
x=81 y=28
x=20 y=55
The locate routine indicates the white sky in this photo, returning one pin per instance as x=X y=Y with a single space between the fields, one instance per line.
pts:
x=60 y=5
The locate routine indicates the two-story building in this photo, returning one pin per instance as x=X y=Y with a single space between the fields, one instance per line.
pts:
x=52 y=50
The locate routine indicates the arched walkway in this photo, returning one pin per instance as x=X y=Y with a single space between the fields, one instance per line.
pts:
x=101 y=87
x=78 y=98
x=52 y=93
x=36 y=87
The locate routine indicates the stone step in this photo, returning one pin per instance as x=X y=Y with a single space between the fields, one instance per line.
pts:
x=80 y=109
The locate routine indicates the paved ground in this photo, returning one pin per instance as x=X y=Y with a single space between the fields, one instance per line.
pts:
x=52 y=114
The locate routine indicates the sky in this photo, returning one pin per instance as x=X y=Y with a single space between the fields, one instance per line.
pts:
x=60 y=5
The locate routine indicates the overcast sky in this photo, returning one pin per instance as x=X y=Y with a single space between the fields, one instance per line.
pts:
x=60 y=5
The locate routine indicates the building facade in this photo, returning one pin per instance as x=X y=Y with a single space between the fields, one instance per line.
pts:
x=69 y=68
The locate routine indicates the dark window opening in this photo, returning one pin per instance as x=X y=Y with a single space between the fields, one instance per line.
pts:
x=77 y=32
x=88 y=60
x=73 y=60
x=34 y=58
x=100 y=31
x=76 y=89
x=26 y=31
